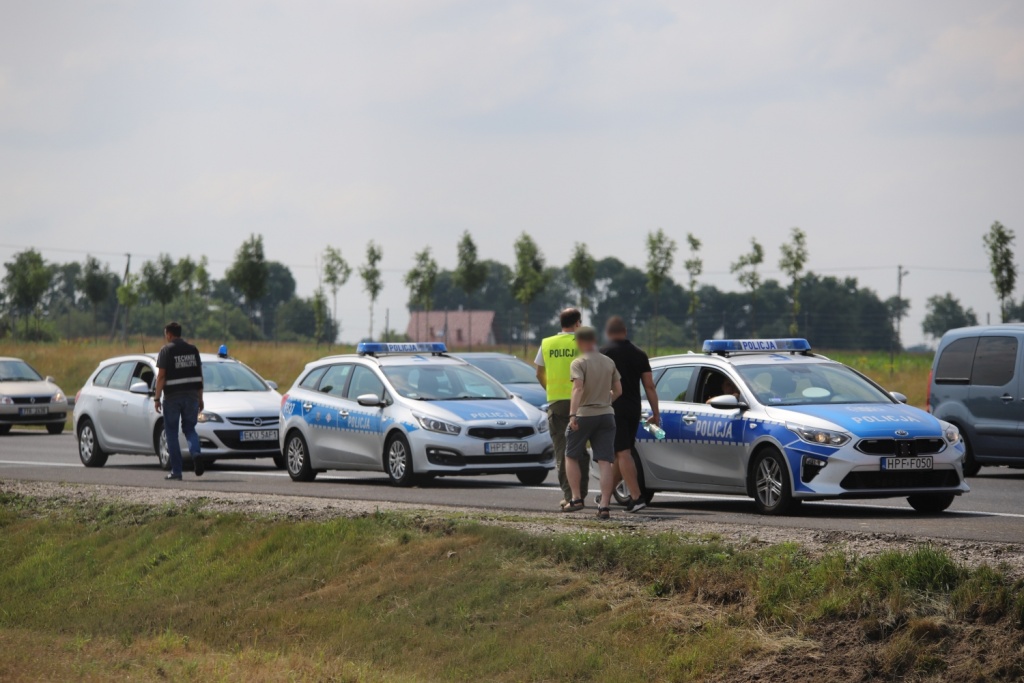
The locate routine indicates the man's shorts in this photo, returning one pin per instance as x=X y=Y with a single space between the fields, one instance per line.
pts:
x=627 y=422
x=599 y=430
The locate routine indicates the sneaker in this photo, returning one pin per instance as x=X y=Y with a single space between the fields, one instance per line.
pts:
x=173 y=477
x=197 y=465
x=635 y=505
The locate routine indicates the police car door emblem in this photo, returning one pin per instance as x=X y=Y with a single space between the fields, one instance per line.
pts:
x=257 y=422
x=902 y=432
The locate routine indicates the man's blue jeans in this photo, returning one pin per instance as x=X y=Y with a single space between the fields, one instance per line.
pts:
x=181 y=410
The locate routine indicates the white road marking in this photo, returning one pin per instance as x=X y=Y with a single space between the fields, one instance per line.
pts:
x=39 y=464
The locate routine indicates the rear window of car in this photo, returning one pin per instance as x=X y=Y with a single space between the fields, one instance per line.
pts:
x=980 y=361
x=103 y=376
x=311 y=380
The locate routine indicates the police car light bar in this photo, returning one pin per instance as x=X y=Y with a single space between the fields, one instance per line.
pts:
x=377 y=348
x=727 y=346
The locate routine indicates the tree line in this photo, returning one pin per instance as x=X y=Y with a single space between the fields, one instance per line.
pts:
x=256 y=298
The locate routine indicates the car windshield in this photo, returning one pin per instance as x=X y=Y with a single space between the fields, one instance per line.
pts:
x=17 y=371
x=231 y=377
x=442 y=382
x=505 y=370
x=809 y=384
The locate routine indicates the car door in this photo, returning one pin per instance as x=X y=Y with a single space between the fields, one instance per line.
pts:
x=323 y=412
x=363 y=425
x=112 y=409
x=716 y=450
x=664 y=460
x=994 y=398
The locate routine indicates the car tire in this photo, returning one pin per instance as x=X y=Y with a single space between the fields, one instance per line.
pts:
x=296 y=454
x=55 y=428
x=532 y=477
x=646 y=493
x=931 y=503
x=89 y=450
x=971 y=466
x=771 y=484
x=280 y=462
x=5 y=430
x=163 y=455
x=398 y=461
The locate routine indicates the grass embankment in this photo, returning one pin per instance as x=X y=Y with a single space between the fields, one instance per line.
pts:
x=96 y=592
x=72 y=362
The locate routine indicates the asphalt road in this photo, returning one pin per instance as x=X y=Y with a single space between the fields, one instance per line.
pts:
x=992 y=511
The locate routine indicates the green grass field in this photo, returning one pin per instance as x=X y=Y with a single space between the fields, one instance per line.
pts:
x=71 y=363
x=98 y=591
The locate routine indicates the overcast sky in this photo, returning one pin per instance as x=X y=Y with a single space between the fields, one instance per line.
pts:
x=891 y=132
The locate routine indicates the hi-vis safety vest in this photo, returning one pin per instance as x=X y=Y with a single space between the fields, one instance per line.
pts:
x=559 y=353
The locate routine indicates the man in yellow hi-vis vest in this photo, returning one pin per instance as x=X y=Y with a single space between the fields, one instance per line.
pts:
x=554 y=358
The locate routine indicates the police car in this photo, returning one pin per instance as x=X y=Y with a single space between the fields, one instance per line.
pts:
x=771 y=420
x=412 y=411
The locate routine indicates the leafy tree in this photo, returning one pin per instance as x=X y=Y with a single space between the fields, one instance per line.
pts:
x=95 y=284
x=694 y=268
x=185 y=274
x=280 y=288
x=128 y=296
x=470 y=275
x=202 y=277
x=160 y=281
x=26 y=281
x=661 y=250
x=999 y=245
x=898 y=310
x=794 y=258
x=421 y=280
x=582 y=271
x=373 y=284
x=248 y=274
x=336 y=274
x=746 y=270
x=319 y=314
x=946 y=313
x=63 y=294
x=529 y=279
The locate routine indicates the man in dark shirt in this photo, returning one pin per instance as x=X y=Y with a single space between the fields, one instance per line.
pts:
x=635 y=369
x=179 y=381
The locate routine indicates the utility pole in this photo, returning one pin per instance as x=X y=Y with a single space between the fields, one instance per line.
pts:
x=901 y=272
x=117 y=309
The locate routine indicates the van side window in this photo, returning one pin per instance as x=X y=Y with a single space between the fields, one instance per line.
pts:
x=995 y=361
x=956 y=362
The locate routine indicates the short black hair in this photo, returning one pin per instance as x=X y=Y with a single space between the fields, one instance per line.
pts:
x=569 y=317
x=173 y=328
x=615 y=325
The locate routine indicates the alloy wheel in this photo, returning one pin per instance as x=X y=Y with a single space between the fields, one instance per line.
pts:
x=769 y=482
x=396 y=459
x=86 y=442
x=296 y=455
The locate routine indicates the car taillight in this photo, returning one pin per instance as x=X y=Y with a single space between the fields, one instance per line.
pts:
x=284 y=399
x=928 y=394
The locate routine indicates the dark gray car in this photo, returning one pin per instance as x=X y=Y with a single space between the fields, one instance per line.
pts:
x=976 y=384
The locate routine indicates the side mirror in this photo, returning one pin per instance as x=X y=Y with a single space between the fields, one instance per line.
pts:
x=50 y=379
x=139 y=388
x=898 y=396
x=370 y=401
x=272 y=384
x=727 y=402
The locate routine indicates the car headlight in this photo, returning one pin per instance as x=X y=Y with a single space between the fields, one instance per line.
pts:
x=6 y=401
x=951 y=434
x=58 y=398
x=207 y=416
x=822 y=437
x=543 y=426
x=434 y=425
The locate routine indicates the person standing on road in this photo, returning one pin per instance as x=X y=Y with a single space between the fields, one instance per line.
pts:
x=595 y=385
x=179 y=380
x=554 y=357
x=635 y=368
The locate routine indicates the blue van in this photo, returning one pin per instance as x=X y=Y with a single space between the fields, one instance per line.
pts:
x=976 y=383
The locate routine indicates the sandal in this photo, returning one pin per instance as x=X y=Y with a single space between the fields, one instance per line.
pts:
x=604 y=513
x=574 y=505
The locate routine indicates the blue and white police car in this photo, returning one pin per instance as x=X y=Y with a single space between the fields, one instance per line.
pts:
x=771 y=420
x=411 y=411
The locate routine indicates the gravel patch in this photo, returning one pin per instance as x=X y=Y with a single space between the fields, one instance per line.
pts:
x=752 y=535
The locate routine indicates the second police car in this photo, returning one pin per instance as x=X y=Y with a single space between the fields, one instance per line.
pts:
x=771 y=420
x=413 y=412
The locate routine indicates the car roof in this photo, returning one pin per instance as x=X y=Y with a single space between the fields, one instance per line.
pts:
x=11 y=358
x=1017 y=328
x=204 y=357
x=394 y=359
x=487 y=354
x=737 y=359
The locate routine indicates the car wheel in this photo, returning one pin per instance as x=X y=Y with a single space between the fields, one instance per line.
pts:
x=645 y=492
x=773 y=492
x=89 y=445
x=5 y=430
x=532 y=477
x=280 y=462
x=971 y=466
x=931 y=503
x=55 y=428
x=163 y=453
x=621 y=493
x=398 y=461
x=296 y=454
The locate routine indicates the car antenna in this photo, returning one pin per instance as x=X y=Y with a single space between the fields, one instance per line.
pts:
x=143 y=340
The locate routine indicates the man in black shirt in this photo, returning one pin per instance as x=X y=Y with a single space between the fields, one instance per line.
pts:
x=635 y=369
x=180 y=381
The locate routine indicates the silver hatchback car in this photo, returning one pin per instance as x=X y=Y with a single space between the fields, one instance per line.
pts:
x=28 y=398
x=114 y=412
